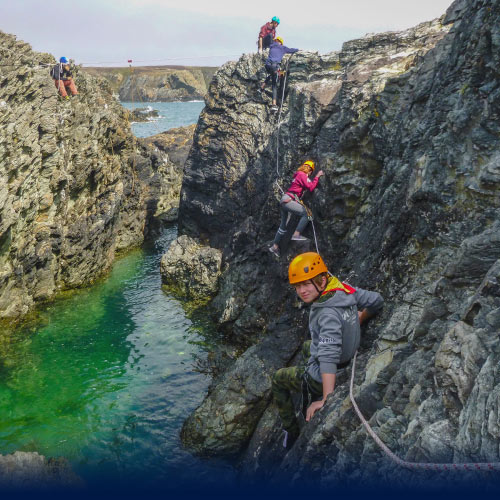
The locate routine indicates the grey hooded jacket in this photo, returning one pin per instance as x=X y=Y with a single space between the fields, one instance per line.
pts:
x=335 y=329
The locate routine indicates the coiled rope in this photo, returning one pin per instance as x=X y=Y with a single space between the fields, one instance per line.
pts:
x=491 y=466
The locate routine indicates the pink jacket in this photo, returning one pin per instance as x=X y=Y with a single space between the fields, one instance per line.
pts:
x=300 y=182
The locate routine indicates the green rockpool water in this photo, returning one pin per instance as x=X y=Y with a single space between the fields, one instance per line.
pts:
x=105 y=378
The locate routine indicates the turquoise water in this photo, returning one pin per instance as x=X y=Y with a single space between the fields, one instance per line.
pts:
x=172 y=115
x=106 y=377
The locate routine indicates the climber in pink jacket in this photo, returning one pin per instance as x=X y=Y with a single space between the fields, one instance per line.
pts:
x=290 y=203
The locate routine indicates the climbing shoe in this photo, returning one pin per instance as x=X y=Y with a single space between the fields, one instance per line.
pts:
x=274 y=251
x=299 y=238
x=274 y=108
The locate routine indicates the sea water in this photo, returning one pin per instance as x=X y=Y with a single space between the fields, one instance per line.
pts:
x=106 y=376
x=172 y=115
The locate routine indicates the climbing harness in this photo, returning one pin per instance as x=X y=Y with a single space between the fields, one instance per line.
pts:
x=412 y=465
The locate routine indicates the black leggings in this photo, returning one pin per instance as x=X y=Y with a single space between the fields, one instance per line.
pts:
x=272 y=76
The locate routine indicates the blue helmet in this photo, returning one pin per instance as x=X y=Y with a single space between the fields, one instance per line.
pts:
x=64 y=60
x=276 y=19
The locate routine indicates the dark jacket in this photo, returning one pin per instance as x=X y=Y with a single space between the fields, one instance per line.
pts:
x=58 y=72
x=277 y=51
x=267 y=29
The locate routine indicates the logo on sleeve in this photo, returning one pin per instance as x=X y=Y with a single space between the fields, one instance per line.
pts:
x=326 y=340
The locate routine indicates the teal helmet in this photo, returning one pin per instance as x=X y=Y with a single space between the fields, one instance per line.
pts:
x=275 y=19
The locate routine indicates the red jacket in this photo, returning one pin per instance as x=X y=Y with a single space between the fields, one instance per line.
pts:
x=266 y=29
x=300 y=182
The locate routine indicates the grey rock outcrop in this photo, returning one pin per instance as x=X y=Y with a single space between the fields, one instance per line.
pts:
x=191 y=268
x=406 y=127
x=76 y=186
x=143 y=114
x=171 y=149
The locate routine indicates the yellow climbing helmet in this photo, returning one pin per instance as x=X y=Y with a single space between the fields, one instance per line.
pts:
x=305 y=267
x=279 y=39
x=309 y=163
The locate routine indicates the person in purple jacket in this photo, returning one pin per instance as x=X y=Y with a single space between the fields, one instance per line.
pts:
x=290 y=203
x=276 y=53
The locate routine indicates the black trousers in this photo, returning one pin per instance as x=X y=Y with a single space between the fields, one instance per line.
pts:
x=266 y=41
x=272 y=76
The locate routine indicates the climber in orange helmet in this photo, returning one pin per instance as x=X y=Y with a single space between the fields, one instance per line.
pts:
x=337 y=310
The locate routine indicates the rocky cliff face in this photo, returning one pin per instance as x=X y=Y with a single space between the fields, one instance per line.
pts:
x=406 y=127
x=157 y=83
x=75 y=184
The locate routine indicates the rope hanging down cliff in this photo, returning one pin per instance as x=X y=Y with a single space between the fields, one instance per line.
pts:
x=413 y=465
x=309 y=213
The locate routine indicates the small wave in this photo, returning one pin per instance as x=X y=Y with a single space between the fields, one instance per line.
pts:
x=200 y=100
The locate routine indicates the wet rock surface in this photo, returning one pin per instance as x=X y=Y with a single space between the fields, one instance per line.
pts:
x=76 y=186
x=143 y=114
x=23 y=471
x=406 y=127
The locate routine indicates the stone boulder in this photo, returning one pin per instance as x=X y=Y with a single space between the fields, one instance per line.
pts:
x=23 y=470
x=143 y=114
x=191 y=269
x=226 y=420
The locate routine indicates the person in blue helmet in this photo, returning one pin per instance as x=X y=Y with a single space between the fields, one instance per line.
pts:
x=61 y=73
x=267 y=34
x=276 y=53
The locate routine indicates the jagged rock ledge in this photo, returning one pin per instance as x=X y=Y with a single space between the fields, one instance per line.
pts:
x=76 y=184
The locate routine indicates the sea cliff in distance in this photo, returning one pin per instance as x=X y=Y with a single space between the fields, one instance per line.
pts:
x=157 y=83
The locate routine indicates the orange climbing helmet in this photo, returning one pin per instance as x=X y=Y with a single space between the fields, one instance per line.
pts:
x=305 y=267
x=309 y=163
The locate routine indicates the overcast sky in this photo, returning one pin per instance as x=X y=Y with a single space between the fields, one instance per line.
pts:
x=197 y=32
